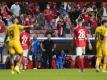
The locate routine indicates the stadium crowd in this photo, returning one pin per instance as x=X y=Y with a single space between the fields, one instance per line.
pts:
x=57 y=19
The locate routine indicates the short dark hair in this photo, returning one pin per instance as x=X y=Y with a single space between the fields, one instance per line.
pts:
x=13 y=18
x=103 y=21
x=80 y=20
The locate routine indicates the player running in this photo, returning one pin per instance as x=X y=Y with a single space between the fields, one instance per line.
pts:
x=25 y=42
x=14 y=45
x=80 y=35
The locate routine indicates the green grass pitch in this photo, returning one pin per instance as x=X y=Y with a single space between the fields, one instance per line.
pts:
x=54 y=74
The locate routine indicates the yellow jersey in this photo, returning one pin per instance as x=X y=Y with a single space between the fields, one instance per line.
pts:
x=99 y=33
x=104 y=33
x=13 y=32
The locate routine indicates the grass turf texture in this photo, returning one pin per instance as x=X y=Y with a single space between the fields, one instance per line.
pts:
x=54 y=74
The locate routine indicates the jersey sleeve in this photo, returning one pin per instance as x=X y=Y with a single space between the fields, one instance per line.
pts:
x=104 y=32
x=6 y=30
x=21 y=27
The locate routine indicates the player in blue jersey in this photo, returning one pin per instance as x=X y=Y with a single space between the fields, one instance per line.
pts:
x=35 y=50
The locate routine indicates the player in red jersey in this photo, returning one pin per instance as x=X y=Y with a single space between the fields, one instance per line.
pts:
x=25 y=42
x=80 y=35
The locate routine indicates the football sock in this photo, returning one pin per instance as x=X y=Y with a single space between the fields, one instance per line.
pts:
x=97 y=63
x=19 y=62
x=12 y=62
x=104 y=67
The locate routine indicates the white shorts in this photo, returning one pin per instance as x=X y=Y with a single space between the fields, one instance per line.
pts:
x=80 y=51
x=25 y=53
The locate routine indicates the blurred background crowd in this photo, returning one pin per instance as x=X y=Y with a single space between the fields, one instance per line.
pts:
x=59 y=18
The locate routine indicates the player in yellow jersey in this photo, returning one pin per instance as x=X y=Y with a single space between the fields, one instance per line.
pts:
x=99 y=39
x=104 y=47
x=14 y=45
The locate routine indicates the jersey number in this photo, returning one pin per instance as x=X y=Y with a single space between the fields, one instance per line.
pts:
x=24 y=39
x=11 y=33
x=81 y=34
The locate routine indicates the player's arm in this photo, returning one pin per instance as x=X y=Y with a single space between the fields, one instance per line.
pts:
x=74 y=38
x=89 y=42
x=6 y=36
x=54 y=46
x=24 y=27
x=5 y=39
x=42 y=47
x=29 y=43
x=96 y=35
x=105 y=39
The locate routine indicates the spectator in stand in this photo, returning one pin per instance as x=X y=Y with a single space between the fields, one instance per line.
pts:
x=103 y=11
x=93 y=24
x=21 y=20
x=9 y=20
x=40 y=19
x=15 y=9
x=5 y=13
x=2 y=26
x=60 y=29
x=48 y=16
x=55 y=14
x=68 y=24
x=27 y=21
x=32 y=8
x=50 y=31
x=86 y=18
x=64 y=8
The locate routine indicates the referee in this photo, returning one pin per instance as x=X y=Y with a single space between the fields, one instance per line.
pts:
x=47 y=47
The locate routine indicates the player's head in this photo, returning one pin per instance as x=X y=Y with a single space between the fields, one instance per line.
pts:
x=15 y=20
x=27 y=30
x=104 y=23
x=35 y=36
x=49 y=36
x=80 y=21
x=48 y=6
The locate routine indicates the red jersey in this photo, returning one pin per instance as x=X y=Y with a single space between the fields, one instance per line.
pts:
x=2 y=28
x=86 y=17
x=48 y=14
x=93 y=23
x=25 y=39
x=80 y=34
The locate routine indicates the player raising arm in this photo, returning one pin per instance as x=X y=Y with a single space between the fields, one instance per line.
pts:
x=14 y=45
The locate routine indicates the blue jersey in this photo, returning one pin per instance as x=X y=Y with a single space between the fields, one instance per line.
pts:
x=59 y=57
x=36 y=46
